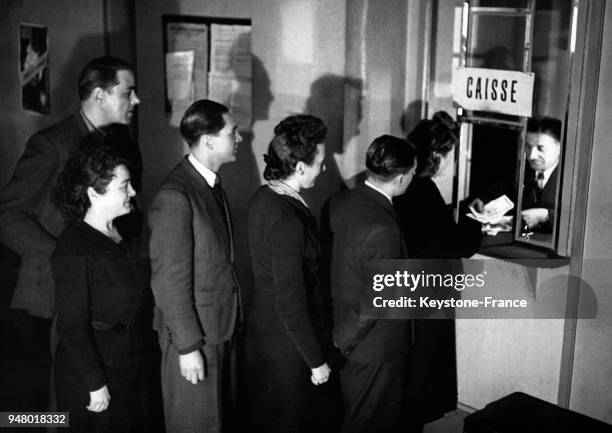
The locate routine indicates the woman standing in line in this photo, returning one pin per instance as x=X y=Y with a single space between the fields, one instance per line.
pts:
x=431 y=233
x=99 y=292
x=286 y=338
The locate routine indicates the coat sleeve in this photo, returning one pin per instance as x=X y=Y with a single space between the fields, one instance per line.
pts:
x=72 y=297
x=383 y=242
x=445 y=238
x=28 y=187
x=172 y=264
x=286 y=245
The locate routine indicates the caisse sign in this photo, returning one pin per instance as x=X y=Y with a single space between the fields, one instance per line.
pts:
x=506 y=92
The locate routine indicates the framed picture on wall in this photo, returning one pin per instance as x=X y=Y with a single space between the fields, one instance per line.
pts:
x=34 y=68
x=207 y=58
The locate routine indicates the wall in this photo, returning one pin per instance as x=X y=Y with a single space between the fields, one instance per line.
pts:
x=298 y=61
x=496 y=357
x=591 y=391
x=160 y=144
x=76 y=35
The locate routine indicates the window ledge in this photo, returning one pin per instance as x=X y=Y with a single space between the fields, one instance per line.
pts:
x=502 y=246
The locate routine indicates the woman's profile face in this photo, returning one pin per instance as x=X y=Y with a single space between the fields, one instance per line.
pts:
x=310 y=172
x=115 y=201
x=446 y=161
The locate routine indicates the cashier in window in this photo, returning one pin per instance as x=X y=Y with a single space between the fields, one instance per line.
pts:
x=542 y=151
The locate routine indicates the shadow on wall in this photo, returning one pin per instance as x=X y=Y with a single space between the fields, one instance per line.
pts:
x=412 y=115
x=8 y=159
x=338 y=101
x=241 y=178
x=409 y=119
x=64 y=100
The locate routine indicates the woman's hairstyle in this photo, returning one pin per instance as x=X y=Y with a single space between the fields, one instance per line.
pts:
x=295 y=139
x=202 y=117
x=545 y=125
x=433 y=139
x=91 y=167
x=389 y=156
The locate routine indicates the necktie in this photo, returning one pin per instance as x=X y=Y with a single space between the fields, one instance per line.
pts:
x=220 y=199
x=218 y=193
x=540 y=179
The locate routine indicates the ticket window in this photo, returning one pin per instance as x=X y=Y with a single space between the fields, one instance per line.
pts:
x=497 y=155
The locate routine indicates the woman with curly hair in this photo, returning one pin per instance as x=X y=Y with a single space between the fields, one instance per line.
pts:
x=99 y=292
x=430 y=232
x=286 y=339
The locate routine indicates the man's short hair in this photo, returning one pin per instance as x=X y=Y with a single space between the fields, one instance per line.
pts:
x=101 y=72
x=545 y=125
x=389 y=156
x=202 y=117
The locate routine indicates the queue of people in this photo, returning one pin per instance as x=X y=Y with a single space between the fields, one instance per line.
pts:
x=316 y=359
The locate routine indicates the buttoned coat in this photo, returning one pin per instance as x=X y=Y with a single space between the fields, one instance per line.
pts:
x=100 y=294
x=431 y=233
x=286 y=334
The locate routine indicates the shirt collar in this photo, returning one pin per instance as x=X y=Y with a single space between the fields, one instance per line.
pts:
x=379 y=190
x=90 y=126
x=548 y=172
x=209 y=176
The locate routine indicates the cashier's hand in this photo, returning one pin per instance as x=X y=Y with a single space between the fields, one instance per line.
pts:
x=192 y=366
x=477 y=204
x=99 y=400
x=320 y=374
x=535 y=216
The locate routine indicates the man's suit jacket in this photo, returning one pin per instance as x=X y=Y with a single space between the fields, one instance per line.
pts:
x=196 y=290
x=363 y=227
x=29 y=223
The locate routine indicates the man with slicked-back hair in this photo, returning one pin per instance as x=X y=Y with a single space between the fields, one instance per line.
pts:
x=195 y=287
x=362 y=228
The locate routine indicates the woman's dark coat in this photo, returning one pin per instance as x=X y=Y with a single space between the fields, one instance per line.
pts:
x=431 y=233
x=285 y=331
x=99 y=296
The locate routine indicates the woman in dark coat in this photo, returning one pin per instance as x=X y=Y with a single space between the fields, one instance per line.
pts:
x=99 y=298
x=285 y=337
x=431 y=233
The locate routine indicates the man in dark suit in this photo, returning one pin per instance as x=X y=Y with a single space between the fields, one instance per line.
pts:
x=363 y=228
x=30 y=224
x=542 y=148
x=542 y=152
x=195 y=287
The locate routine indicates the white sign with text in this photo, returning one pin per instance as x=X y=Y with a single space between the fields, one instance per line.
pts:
x=506 y=92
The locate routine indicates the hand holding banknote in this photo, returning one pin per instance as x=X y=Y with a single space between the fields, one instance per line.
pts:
x=492 y=215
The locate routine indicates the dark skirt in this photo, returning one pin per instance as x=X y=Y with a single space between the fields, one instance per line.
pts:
x=281 y=396
x=432 y=378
